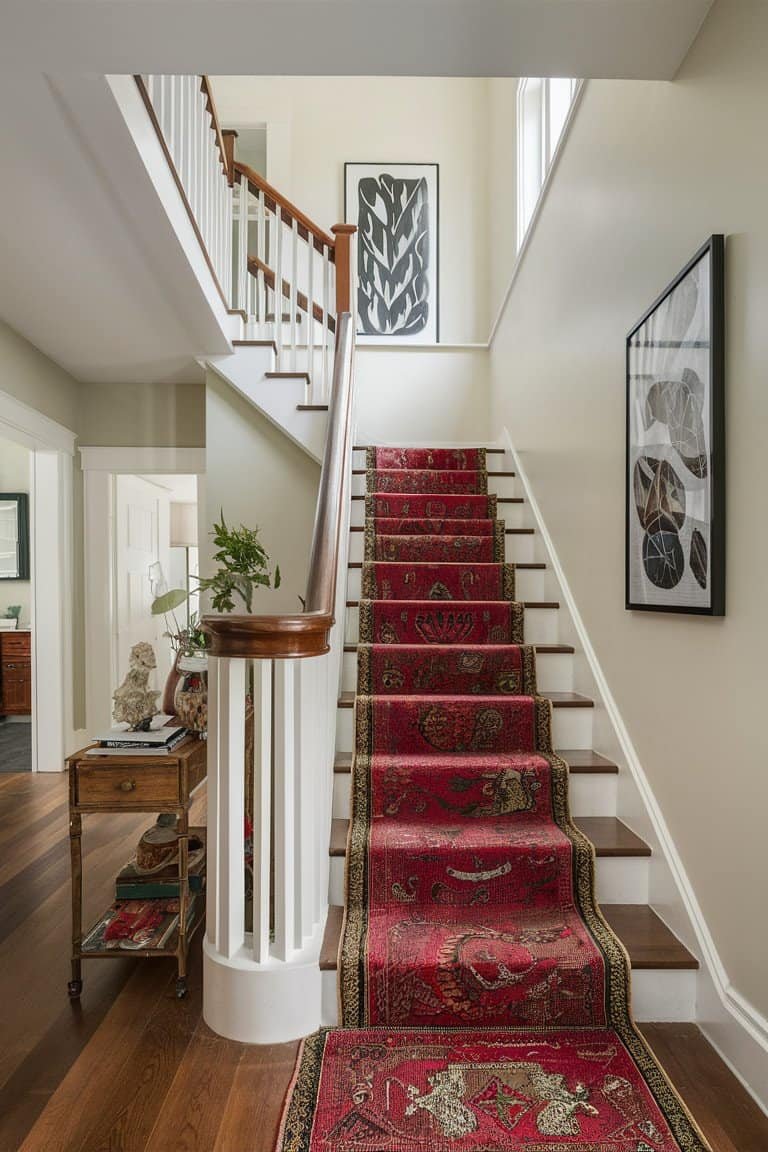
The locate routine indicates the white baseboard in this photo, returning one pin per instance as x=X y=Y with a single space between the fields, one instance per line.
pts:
x=732 y=1025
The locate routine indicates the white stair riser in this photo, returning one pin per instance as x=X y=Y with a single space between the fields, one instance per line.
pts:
x=500 y=485
x=571 y=728
x=590 y=794
x=554 y=672
x=530 y=584
x=513 y=515
x=620 y=880
x=658 y=994
x=541 y=626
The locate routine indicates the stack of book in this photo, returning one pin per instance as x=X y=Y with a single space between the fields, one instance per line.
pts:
x=122 y=742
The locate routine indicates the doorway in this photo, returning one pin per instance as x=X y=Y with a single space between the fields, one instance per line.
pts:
x=142 y=507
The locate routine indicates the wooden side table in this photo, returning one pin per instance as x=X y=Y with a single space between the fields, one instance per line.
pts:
x=135 y=784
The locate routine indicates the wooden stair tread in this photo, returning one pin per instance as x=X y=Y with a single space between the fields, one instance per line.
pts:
x=499 y=500
x=507 y=531
x=526 y=603
x=609 y=835
x=287 y=376
x=311 y=407
x=531 y=566
x=580 y=761
x=586 y=760
x=362 y=471
x=647 y=939
x=559 y=699
x=255 y=344
x=365 y=447
x=540 y=649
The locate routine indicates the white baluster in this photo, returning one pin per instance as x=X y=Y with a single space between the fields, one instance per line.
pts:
x=294 y=288
x=284 y=806
x=242 y=245
x=226 y=753
x=261 y=252
x=326 y=336
x=262 y=806
x=278 y=294
x=311 y=318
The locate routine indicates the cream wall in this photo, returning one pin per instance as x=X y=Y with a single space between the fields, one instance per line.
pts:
x=149 y=415
x=14 y=477
x=647 y=173
x=28 y=375
x=316 y=123
x=260 y=478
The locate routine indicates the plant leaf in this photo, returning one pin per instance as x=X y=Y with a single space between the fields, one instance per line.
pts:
x=168 y=601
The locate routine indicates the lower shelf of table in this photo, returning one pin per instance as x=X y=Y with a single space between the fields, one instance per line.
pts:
x=170 y=948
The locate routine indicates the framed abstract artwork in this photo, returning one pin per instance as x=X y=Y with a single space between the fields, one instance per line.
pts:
x=675 y=481
x=395 y=208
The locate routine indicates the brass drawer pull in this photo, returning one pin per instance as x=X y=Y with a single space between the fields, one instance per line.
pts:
x=128 y=786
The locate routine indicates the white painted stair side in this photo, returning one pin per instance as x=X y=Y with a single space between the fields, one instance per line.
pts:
x=277 y=399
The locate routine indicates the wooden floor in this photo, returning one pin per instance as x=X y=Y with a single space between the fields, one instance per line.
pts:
x=131 y=1068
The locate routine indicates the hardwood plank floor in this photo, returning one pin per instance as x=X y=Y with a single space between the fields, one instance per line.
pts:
x=131 y=1068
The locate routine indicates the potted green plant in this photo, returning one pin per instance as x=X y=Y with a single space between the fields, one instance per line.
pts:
x=244 y=566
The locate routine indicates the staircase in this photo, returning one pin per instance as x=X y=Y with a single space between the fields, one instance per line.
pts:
x=663 y=969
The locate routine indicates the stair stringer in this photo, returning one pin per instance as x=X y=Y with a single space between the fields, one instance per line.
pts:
x=733 y=1026
x=277 y=400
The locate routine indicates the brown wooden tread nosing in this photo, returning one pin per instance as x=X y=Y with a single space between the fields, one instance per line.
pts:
x=499 y=499
x=647 y=939
x=365 y=447
x=580 y=761
x=610 y=836
x=558 y=699
x=362 y=472
x=526 y=566
x=507 y=531
x=288 y=376
x=526 y=603
x=311 y=407
x=540 y=649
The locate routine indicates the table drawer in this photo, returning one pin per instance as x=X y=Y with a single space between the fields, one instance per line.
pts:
x=126 y=785
x=15 y=644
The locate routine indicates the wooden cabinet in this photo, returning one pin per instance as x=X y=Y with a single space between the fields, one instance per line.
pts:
x=15 y=674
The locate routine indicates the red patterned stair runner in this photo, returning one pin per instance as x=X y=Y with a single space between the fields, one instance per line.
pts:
x=484 y=999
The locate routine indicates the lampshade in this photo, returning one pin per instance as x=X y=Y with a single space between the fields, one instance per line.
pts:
x=183 y=525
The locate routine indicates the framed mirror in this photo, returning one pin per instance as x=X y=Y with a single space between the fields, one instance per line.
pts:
x=14 y=536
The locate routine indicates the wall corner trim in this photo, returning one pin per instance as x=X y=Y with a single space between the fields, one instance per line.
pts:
x=734 y=1027
x=33 y=428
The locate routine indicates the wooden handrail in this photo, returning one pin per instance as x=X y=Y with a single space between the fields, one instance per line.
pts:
x=288 y=211
x=255 y=266
x=306 y=633
x=210 y=104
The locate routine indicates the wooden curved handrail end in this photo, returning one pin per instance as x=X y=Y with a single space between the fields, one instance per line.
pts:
x=269 y=637
x=344 y=229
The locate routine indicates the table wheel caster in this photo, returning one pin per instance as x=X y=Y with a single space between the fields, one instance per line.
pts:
x=74 y=988
x=181 y=988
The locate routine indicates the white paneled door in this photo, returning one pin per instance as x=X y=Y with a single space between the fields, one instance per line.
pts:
x=142 y=513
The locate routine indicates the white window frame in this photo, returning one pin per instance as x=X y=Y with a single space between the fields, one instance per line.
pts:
x=537 y=140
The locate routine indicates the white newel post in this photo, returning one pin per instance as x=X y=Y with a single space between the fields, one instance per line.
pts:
x=264 y=986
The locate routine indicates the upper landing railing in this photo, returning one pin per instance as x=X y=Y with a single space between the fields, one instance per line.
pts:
x=287 y=277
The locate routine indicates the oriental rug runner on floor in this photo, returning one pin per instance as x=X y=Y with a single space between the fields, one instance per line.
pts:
x=484 y=999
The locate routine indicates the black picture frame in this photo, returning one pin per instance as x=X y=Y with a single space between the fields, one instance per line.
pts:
x=383 y=166
x=711 y=545
x=21 y=500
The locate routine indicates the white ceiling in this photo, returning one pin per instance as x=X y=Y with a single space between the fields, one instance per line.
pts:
x=643 y=39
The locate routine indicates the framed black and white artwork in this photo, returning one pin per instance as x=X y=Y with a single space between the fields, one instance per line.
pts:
x=675 y=492
x=395 y=208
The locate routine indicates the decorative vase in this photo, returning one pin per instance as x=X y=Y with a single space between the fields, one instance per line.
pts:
x=191 y=699
x=168 y=704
